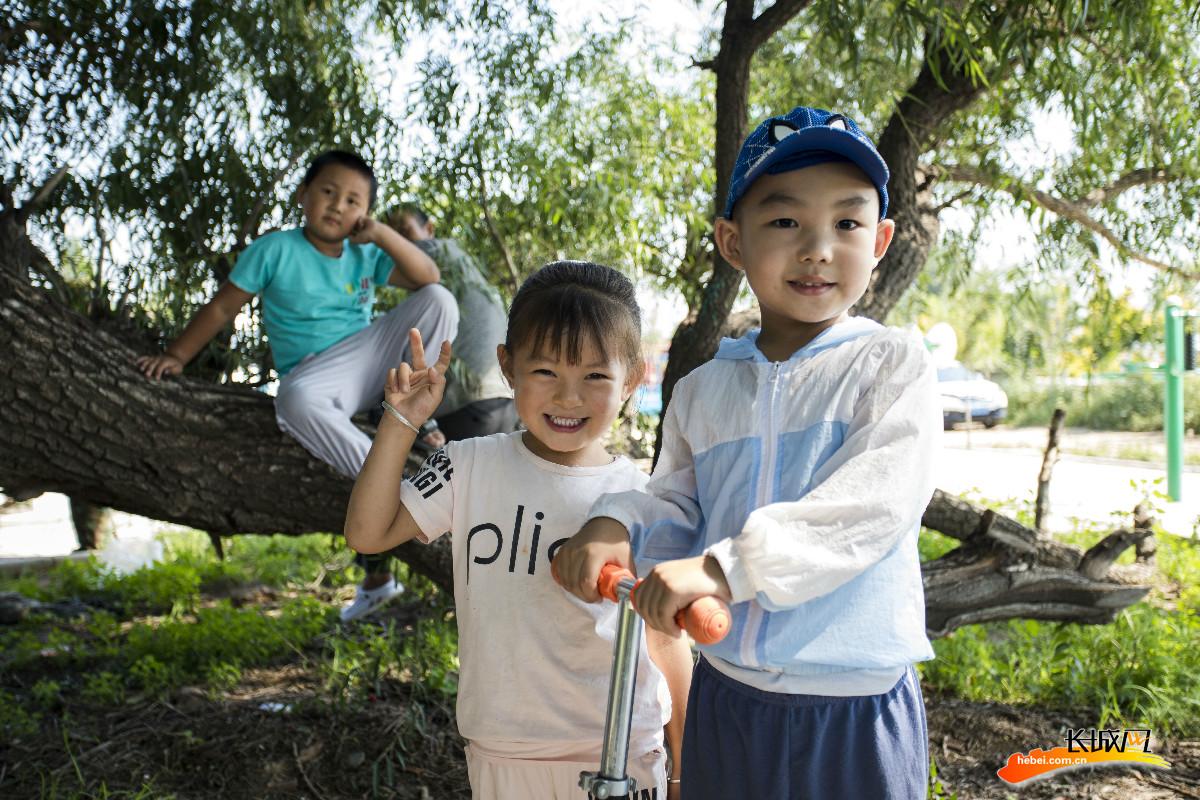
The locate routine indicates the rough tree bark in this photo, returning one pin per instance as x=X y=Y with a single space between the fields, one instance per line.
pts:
x=1004 y=570
x=939 y=92
x=77 y=418
x=742 y=33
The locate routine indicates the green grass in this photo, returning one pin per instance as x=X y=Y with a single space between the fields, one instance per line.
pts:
x=161 y=628
x=1143 y=668
x=190 y=568
x=157 y=629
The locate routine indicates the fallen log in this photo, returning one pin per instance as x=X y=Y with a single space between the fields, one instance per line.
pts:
x=1005 y=570
x=76 y=417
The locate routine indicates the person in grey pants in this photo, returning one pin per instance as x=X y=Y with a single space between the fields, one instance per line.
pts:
x=477 y=401
x=317 y=284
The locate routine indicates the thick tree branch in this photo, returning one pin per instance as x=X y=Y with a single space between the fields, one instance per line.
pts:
x=1138 y=177
x=940 y=91
x=1004 y=570
x=1066 y=209
x=768 y=23
x=76 y=417
x=42 y=194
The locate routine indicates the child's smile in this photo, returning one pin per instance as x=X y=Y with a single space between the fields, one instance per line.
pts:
x=811 y=286
x=808 y=240
x=565 y=424
x=567 y=407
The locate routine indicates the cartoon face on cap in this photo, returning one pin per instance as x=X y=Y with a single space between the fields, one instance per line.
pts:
x=803 y=137
x=782 y=128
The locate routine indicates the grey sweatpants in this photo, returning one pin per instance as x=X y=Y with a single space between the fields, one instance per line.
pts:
x=317 y=398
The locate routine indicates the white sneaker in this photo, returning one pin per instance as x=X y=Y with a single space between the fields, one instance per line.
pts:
x=367 y=601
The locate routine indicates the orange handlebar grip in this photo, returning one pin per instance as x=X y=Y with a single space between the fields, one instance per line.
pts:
x=706 y=620
x=610 y=576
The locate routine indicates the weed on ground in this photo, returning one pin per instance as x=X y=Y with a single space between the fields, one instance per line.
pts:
x=201 y=678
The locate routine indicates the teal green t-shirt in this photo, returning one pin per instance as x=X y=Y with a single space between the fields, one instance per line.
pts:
x=310 y=301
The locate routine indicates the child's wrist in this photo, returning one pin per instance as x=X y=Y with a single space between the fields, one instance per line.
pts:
x=713 y=569
x=401 y=419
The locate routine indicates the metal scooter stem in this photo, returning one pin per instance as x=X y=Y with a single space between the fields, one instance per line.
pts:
x=612 y=780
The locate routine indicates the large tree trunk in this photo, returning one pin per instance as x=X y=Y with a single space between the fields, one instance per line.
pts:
x=742 y=34
x=697 y=337
x=939 y=92
x=77 y=418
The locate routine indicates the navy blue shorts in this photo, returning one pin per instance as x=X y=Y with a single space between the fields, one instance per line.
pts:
x=741 y=742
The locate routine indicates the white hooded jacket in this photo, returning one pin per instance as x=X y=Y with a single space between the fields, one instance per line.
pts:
x=806 y=480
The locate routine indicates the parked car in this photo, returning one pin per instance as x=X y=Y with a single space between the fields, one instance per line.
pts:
x=967 y=395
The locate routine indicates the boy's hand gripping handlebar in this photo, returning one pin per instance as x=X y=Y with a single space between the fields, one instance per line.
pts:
x=706 y=620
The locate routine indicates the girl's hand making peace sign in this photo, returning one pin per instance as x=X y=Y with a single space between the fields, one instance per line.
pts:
x=416 y=390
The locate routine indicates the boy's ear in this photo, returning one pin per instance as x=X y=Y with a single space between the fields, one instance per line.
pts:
x=632 y=379
x=728 y=236
x=883 y=238
x=505 y=359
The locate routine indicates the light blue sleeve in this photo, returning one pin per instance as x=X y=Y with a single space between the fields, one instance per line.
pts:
x=383 y=264
x=255 y=266
x=868 y=496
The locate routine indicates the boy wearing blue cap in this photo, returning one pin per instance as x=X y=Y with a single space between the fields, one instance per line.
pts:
x=794 y=471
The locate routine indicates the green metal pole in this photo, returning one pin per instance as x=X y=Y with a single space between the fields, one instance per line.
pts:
x=1173 y=416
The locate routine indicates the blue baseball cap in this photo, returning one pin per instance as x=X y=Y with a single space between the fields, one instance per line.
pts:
x=806 y=136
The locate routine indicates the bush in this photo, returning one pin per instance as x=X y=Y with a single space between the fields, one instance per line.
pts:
x=1142 y=668
x=1134 y=403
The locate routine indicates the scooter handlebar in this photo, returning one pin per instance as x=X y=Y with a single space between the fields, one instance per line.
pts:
x=706 y=619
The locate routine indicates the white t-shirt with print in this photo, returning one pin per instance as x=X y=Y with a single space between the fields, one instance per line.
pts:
x=534 y=659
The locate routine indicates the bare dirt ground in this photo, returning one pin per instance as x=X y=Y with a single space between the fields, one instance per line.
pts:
x=970 y=741
x=192 y=746
x=188 y=746
x=280 y=733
